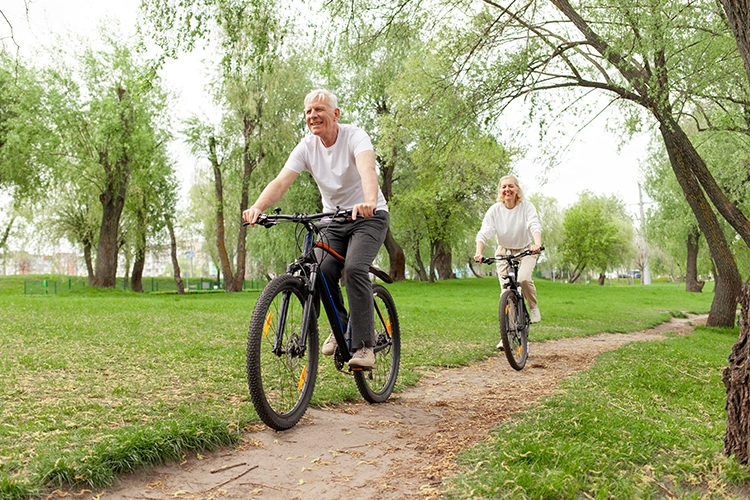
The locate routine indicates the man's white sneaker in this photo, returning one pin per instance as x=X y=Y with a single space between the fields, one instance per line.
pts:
x=329 y=346
x=500 y=345
x=362 y=358
x=534 y=315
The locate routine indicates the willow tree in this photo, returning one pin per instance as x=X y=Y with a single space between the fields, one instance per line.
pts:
x=150 y=206
x=108 y=116
x=27 y=143
x=259 y=86
x=453 y=163
x=737 y=375
x=670 y=223
x=597 y=236
x=373 y=60
x=551 y=218
x=657 y=59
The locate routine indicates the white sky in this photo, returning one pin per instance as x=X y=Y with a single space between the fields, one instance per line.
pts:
x=591 y=161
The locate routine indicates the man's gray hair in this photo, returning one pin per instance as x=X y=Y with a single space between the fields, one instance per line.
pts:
x=324 y=94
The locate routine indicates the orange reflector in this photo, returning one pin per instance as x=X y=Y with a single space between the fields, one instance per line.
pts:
x=302 y=378
x=520 y=350
x=388 y=326
x=268 y=323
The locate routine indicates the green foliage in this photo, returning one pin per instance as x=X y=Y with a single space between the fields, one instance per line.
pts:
x=670 y=221
x=597 y=235
x=111 y=120
x=260 y=82
x=439 y=160
x=453 y=160
x=645 y=419
x=26 y=141
x=551 y=218
x=727 y=153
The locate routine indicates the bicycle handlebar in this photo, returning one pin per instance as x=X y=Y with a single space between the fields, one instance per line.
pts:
x=492 y=260
x=268 y=220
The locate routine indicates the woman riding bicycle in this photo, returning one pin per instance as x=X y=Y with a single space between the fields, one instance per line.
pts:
x=341 y=159
x=515 y=225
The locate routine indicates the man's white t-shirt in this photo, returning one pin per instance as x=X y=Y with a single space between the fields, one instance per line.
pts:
x=334 y=168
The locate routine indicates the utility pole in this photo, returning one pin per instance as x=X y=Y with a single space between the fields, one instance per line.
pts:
x=646 y=278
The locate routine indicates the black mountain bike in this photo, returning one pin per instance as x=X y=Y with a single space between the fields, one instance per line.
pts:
x=513 y=315
x=282 y=343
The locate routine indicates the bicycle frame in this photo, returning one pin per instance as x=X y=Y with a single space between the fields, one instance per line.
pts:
x=511 y=278
x=307 y=265
x=511 y=282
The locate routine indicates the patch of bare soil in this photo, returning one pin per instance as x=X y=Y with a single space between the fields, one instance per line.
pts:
x=397 y=450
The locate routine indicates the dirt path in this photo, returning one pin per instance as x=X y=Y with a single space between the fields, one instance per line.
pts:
x=398 y=450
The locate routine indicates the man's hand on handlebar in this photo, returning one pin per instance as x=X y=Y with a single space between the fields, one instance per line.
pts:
x=363 y=209
x=251 y=215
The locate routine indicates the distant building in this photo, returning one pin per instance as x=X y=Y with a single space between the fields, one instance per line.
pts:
x=193 y=262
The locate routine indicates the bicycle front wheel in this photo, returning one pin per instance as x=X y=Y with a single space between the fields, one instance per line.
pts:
x=281 y=371
x=513 y=330
x=376 y=384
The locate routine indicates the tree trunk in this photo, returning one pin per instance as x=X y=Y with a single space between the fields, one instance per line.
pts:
x=421 y=271
x=113 y=201
x=6 y=233
x=576 y=273
x=225 y=264
x=431 y=267
x=601 y=279
x=236 y=282
x=444 y=260
x=736 y=379
x=126 y=274
x=691 y=267
x=136 y=280
x=728 y=281
x=89 y=264
x=738 y=15
x=737 y=435
x=175 y=263
x=396 y=257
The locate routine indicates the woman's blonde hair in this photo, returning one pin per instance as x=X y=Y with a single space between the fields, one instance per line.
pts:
x=519 y=193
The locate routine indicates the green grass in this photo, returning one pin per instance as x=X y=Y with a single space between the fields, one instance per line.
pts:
x=96 y=383
x=646 y=421
x=57 y=284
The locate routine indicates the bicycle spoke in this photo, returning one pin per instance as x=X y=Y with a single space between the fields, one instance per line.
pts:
x=376 y=384
x=513 y=330
x=281 y=371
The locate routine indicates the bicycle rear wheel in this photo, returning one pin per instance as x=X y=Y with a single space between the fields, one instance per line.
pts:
x=513 y=330
x=280 y=372
x=375 y=385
